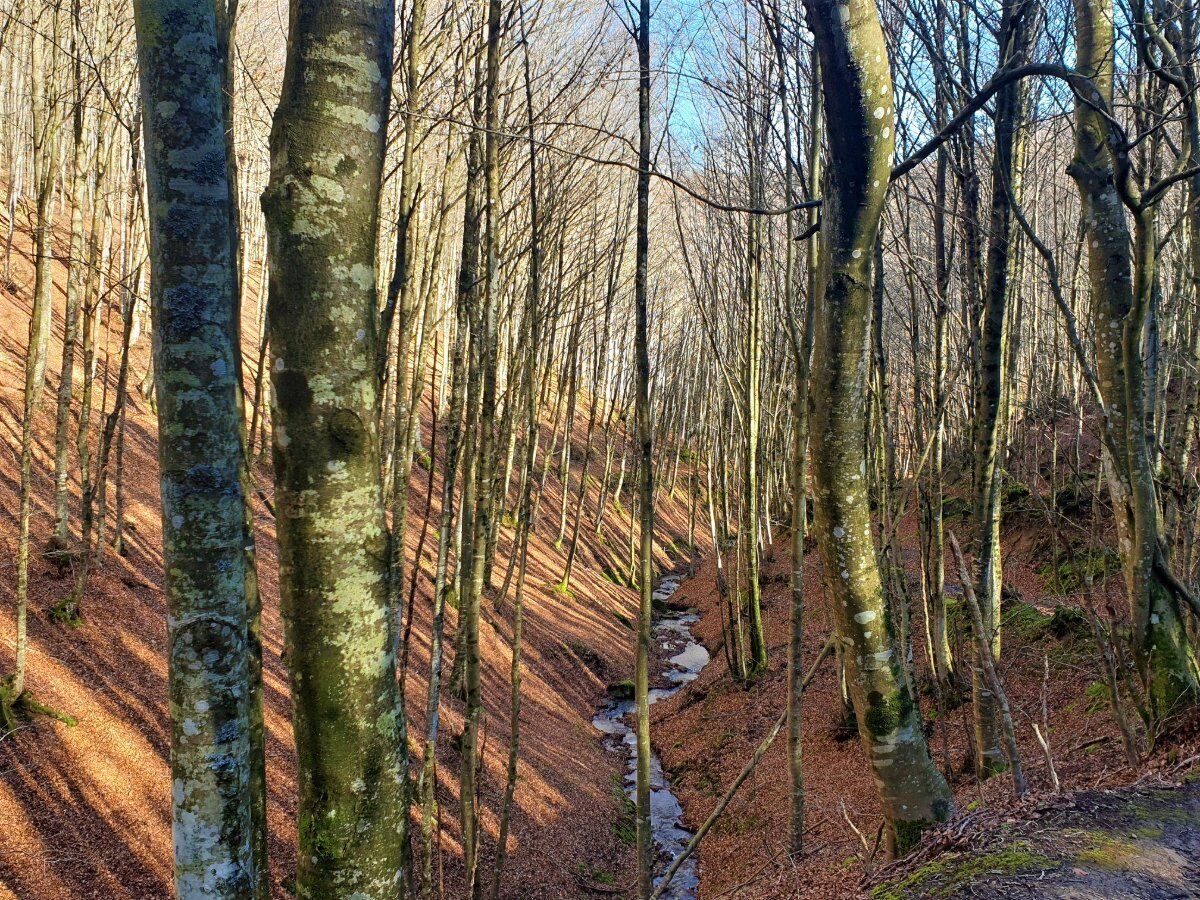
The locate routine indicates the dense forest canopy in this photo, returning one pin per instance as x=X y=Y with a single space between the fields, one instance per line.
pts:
x=447 y=341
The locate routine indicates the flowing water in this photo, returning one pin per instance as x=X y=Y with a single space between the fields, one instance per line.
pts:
x=685 y=658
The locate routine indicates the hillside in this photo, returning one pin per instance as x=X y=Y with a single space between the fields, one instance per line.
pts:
x=708 y=731
x=85 y=810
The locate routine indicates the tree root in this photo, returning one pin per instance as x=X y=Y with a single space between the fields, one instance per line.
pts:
x=14 y=708
x=66 y=612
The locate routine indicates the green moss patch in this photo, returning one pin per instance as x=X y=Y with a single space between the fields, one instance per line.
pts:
x=1103 y=851
x=1016 y=500
x=943 y=876
x=625 y=827
x=1034 y=625
x=1073 y=570
x=1095 y=696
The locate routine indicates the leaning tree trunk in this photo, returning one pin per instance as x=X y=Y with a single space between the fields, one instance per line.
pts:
x=209 y=571
x=1120 y=271
x=327 y=149
x=859 y=119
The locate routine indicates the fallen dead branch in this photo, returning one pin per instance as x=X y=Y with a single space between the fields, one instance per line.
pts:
x=739 y=781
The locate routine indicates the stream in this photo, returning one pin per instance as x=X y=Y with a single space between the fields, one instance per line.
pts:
x=685 y=658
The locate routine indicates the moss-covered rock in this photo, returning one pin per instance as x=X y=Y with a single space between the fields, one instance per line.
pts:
x=621 y=690
x=956 y=508
x=1075 y=497
x=1066 y=621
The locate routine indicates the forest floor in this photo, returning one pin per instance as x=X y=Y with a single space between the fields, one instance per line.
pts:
x=1137 y=842
x=85 y=810
x=707 y=732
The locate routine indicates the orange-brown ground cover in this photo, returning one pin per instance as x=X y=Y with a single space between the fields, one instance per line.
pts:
x=708 y=731
x=84 y=811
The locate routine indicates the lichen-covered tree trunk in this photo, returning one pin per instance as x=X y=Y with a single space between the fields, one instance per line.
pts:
x=207 y=552
x=327 y=148
x=1120 y=270
x=991 y=388
x=856 y=82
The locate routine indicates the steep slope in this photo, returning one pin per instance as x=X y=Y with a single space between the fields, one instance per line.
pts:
x=85 y=810
x=707 y=732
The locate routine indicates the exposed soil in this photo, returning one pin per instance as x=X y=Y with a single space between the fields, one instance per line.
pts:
x=84 y=811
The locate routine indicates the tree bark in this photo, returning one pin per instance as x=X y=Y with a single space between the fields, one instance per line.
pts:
x=207 y=550
x=645 y=440
x=1120 y=273
x=992 y=388
x=859 y=119
x=321 y=205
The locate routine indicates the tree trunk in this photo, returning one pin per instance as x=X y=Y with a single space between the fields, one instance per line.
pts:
x=859 y=120
x=1120 y=271
x=992 y=389
x=327 y=150
x=645 y=440
x=207 y=550
x=75 y=282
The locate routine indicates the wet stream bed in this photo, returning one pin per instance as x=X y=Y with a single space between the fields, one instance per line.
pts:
x=683 y=659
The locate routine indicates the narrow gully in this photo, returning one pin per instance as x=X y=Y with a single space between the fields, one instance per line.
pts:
x=685 y=658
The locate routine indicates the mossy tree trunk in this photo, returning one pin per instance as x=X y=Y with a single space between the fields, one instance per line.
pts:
x=856 y=82
x=321 y=204
x=207 y=548
x=1121 y=277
